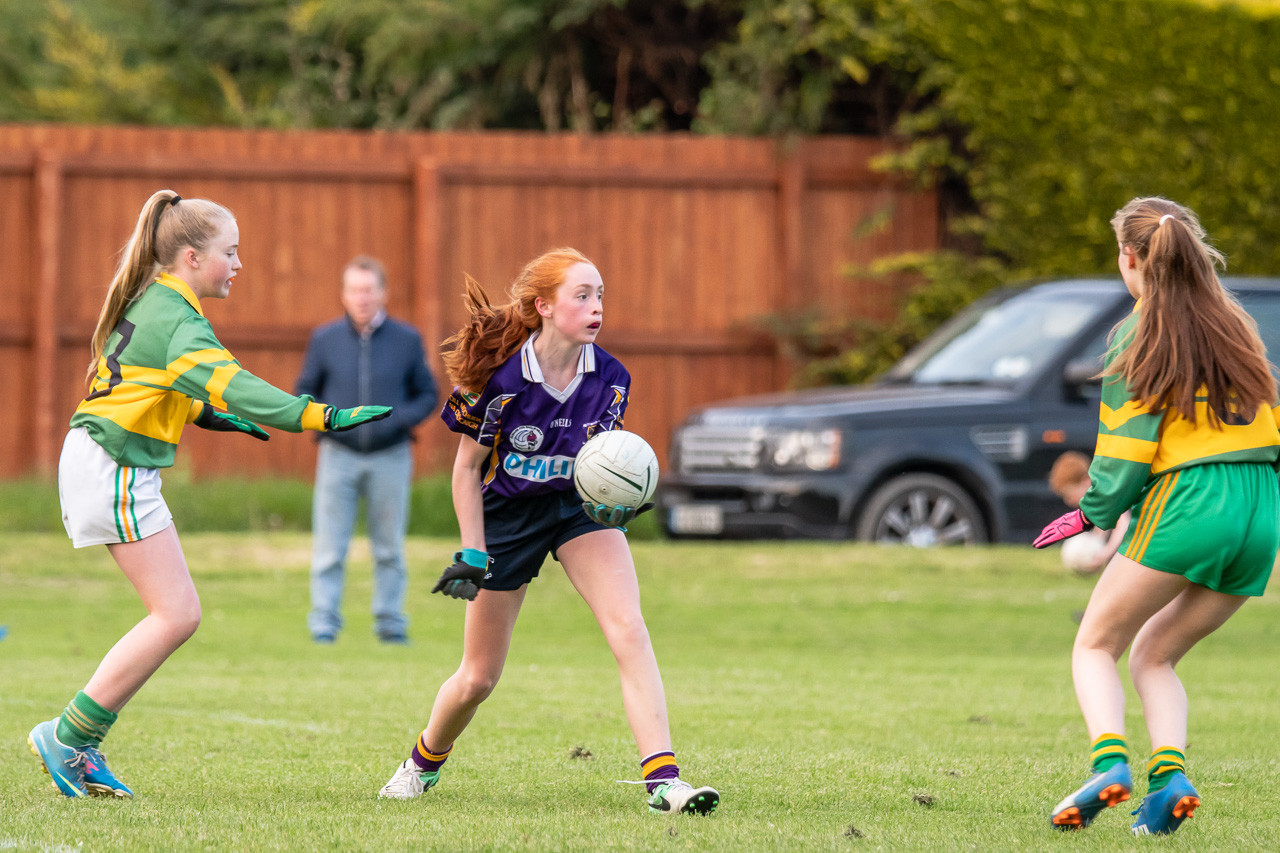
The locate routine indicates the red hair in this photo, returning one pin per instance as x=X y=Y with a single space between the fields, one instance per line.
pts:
x=492 y=334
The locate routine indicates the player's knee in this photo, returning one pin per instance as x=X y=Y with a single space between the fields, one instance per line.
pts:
x=476 y=686
x=628 y=631
x=1091 y=639
x=1146 y=656
x=183 y=621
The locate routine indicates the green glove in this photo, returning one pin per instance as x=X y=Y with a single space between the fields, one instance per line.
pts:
x=226 y=422
x=617 y=516
x=340 y=420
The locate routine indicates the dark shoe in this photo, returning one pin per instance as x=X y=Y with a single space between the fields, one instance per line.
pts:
x=393 y=639
x=324 y=639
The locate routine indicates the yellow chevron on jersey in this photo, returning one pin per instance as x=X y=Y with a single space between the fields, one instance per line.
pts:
x=1126 y=448
x=161 y=417
x=218 y=383
x=184 y=363
x=1113 y=419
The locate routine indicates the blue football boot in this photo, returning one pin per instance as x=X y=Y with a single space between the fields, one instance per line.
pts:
x=98 y=778
x=64 y=764
x=1102 y=791
x=1164 y=811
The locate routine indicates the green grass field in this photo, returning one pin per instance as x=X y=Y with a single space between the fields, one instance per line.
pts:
x=840 y=697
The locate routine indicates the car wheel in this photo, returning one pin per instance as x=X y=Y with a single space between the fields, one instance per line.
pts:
x=921 y=510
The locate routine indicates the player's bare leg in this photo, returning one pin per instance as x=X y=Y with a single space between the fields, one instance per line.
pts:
x=1126 y=596
x=486 y=639
x=158 y=571
x=1163 y=641
x=600 y=567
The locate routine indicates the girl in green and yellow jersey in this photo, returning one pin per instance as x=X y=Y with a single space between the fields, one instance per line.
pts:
x=1188 y=440
x=156 y=367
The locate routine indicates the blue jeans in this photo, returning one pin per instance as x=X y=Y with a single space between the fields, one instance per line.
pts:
x=343 y=477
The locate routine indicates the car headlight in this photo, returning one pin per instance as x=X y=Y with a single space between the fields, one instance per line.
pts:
x=805 y=449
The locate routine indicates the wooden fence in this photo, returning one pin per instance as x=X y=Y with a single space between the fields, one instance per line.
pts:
x=697 y=238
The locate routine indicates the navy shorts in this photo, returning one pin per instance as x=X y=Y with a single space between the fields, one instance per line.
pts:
x=520 y=532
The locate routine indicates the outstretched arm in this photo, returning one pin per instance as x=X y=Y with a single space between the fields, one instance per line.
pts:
x=464 y=578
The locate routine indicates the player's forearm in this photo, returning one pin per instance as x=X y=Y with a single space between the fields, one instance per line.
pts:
x=468 y=505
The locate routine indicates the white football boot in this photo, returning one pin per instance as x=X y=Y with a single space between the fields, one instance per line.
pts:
x=678 y=796
x=408 y=782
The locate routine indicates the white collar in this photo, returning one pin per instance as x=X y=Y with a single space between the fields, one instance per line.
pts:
x=532 y=371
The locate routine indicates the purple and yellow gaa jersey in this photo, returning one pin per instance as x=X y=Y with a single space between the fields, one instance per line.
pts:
x=535 y=430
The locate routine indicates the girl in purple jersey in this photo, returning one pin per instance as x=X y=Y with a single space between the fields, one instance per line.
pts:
x=531 y=388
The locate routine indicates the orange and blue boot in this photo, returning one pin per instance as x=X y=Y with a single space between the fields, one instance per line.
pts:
x=1164 y=811
x=1103 y=790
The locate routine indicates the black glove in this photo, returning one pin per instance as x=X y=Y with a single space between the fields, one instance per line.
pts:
x=212 y=419
x=464 y=578
x=617 y=516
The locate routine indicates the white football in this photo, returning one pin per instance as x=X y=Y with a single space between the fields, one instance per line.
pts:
x=1081 y=553
x=616 y=468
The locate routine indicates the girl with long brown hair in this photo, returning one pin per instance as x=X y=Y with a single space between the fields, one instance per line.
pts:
x=531 y=387
x=1188 y=439
x=156 y=367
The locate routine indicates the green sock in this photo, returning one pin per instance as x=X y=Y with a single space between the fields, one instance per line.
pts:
x=84 y=722
x=1164 y=762
x=1107 y=751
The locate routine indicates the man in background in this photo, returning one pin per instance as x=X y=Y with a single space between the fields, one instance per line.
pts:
x=356 y=360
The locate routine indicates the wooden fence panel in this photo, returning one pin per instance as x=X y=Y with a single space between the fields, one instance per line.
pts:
x=697 y=239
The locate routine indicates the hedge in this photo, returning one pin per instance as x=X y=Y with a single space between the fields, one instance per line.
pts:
x=1049 y=114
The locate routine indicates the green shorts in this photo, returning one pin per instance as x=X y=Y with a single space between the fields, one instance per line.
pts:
x=1217 y=525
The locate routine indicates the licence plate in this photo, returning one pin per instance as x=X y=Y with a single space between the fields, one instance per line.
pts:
x=696 y=519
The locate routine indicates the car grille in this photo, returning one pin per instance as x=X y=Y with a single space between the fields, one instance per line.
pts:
x=720 y=448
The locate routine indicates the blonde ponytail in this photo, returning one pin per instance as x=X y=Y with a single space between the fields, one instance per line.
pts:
x=167 y=224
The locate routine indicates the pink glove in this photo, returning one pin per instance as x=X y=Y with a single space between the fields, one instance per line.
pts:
x=1071 y=524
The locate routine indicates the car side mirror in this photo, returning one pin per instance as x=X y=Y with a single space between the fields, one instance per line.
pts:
x=1081 y=374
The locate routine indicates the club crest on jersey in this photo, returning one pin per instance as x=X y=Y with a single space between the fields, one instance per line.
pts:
x=526 y=439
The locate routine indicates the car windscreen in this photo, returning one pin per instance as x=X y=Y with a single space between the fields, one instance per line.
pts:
x=999 y=343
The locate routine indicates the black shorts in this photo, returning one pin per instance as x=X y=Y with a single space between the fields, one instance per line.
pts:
x=520 y=532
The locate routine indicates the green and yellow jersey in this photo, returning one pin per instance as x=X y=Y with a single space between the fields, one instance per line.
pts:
x=1137 y=443
x=160 y=367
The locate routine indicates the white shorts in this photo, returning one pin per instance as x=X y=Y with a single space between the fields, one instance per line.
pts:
x=102 y=502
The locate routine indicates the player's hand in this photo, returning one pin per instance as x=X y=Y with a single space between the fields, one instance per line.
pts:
x=464 y=578
x=225 y=422
x=340 y=420
x=615 y=516
x=1071 y=524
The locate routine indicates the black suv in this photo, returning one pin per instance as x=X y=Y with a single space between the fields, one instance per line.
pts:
x=953 y=445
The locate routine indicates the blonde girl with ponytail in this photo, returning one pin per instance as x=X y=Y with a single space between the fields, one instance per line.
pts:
x=1187 y=437
x=531 y=386
x=156 y=367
